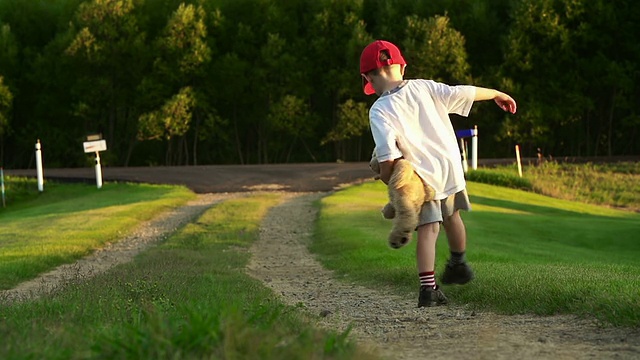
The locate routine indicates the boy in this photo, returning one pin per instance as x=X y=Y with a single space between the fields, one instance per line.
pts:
x=410 y=120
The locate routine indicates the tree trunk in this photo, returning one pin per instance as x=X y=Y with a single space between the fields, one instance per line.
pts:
x=235 y=128
x=185 y=148
x=195 y=142
x=132 y=144
x=167 y=155
x=304 y=143
x=588 y=137
x=610 y=132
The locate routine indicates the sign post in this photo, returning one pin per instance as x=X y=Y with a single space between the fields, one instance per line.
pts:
x=474 y=148
x=95 y=144
x=518 y=160
x=39 y=170
x=473 y=134
x=2 y=185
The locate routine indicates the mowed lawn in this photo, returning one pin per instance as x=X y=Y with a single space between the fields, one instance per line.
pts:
x=531 y=253
x=68 y=221
x=189 y=297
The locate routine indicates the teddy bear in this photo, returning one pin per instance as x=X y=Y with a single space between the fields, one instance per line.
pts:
x=407 y=193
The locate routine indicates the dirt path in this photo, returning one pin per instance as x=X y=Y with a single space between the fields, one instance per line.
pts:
x=395 y=327
x=389 y=324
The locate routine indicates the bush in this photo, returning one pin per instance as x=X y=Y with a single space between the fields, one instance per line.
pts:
x=500 y=178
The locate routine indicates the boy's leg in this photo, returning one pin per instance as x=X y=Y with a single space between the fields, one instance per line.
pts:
x=457 y=271
x=456 y=232
x=428 y=230
x=426 y=247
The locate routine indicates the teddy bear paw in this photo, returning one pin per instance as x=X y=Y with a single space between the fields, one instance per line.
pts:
x=388 y=211
x=397 y=241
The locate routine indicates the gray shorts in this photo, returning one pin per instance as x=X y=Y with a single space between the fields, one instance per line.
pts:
x=434 y=211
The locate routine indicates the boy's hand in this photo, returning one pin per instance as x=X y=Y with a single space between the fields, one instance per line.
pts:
x=506 y=102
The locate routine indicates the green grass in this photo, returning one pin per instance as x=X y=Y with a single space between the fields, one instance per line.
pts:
x=189 y=298
x=18 y=189
x=68 y=221
x=615 y=185
x=531 y=253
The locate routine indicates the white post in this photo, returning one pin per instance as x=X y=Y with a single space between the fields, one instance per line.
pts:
x=465 y=166
x=98 y=171
x=4 y=204
x=39 y=167
x=518 y=160
x=474 y=148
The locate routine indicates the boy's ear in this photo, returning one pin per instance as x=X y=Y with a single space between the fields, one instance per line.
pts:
x=402 y=67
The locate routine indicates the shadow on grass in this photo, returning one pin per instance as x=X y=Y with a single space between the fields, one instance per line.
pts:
x=542 y=210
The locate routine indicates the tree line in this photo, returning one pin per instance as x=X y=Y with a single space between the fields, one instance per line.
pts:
x=175 y=82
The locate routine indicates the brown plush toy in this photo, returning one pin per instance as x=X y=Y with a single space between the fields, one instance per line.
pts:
x=407 y=193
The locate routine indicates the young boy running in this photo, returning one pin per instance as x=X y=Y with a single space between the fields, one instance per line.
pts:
x=410 y=120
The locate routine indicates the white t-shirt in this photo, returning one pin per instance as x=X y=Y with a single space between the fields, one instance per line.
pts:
x=413 y=122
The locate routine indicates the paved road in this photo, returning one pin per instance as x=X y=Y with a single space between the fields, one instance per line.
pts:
x=240 y=178
x=223 y=178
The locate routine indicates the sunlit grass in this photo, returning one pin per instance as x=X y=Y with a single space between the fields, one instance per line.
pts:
x=189 y=298
x=615 y=185
x=68 y=221
x=531 y=253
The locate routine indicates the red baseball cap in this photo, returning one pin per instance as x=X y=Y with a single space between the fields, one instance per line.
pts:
x=370 y=60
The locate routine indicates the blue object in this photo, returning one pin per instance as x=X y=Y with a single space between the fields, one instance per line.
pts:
x=466 y=133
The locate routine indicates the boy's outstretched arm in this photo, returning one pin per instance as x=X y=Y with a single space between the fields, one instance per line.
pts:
x=504 y=101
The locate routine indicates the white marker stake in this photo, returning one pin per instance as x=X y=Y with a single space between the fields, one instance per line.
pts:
x=518 y=159
x=39 y=167
x=4 y=204
x=98 y=171
x=465 y=164
x=474 y=149
x=96 y=146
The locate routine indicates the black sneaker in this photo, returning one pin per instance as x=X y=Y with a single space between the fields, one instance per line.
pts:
x=457 y=274
x=430 y=296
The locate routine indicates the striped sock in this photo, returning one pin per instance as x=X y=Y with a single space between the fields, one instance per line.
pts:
x=428 y=279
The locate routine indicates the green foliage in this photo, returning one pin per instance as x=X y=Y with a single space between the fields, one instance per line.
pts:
x=6 y=99
x=18 y=189
x=577 y=94
x=352 y=121
x=290 y=115
x=75 y=67
x=434 y=50
x=8 y=58
x=616 y=185
x=171 y=120
x=504 y=178
x=185 y=39
x=608 y=184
